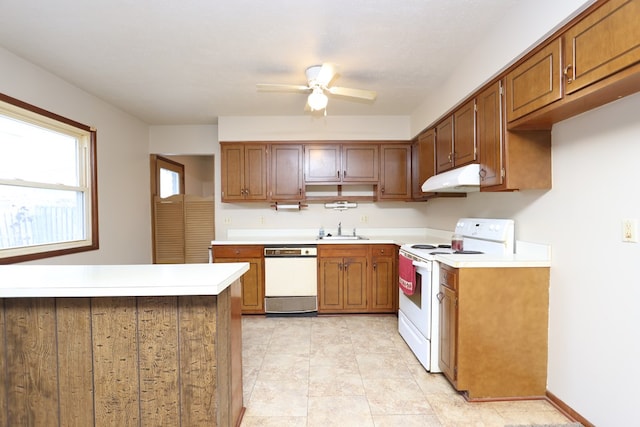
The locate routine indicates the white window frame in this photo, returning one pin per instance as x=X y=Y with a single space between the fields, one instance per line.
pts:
x=87 y=185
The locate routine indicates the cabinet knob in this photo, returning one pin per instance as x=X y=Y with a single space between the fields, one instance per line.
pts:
x=440 y=296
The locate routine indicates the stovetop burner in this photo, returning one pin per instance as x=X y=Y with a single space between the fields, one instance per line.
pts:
x=423 y=247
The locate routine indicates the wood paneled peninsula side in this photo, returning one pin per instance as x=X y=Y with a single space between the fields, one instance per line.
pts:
x=121 y=345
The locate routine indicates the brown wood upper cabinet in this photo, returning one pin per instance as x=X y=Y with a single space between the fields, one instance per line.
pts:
x=603 y=43
x=594 y=61
x=286 y=181
x=341 y=163
x=490 y=135
x=423 y=164
x=456 y=138
x=244 y=171
x=509 y=160
x=395 y=172
x=534 y=83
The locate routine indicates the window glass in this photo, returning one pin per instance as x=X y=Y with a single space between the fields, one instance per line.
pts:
x=47 y=184
x=169 y=183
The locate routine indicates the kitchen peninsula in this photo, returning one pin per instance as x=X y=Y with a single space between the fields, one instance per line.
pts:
x=121 y=344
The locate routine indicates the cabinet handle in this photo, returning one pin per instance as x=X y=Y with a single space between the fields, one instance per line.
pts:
x=338 y=174
x=566 y=73
x=375 y=265
x=382 y=190
x=344 y=174
x=482 y=173
x=300 y=191
x=440 y=297
x=340 y=266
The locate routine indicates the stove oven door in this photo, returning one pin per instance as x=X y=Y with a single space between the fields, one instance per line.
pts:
x=417 y=307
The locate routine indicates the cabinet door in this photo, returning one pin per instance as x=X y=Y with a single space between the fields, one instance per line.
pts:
x=232 y=172
x=252 y=284
x=534 y=83
x=448 y=336
x=255 y=172
x=490 y=135
x=286 y=172
x=444 y=145
x=464 y=134
x=330 y=284
x=322 y=163
x=383 y=278
x=395 y=179
x=360 y=163
x=243 y=172
x=423 y=161
x=355 y=283
x=601 y=44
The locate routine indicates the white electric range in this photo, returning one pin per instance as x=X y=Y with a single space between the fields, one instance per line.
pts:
x=419 y=307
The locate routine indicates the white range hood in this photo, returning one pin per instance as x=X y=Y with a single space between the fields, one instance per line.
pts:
x=465 y=179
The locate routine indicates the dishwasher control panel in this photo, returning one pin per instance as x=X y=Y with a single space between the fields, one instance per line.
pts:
x=291 y=251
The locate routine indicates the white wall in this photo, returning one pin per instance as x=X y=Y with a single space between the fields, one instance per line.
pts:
x=123 y=160
x=278 y=128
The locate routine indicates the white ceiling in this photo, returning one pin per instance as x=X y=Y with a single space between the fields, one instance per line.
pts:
x=191 y=61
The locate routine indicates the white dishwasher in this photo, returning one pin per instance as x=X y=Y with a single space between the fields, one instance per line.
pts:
x=291 y=279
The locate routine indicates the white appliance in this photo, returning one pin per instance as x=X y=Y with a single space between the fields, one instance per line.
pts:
x=465 y=179
x=418 y=314
x=291 y=279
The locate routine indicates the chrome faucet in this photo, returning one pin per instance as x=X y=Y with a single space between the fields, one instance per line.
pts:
x=339 y=229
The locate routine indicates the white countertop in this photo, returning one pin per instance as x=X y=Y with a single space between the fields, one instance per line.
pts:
x=19 y=280
x=397 y=236
x=488 y=261
x=527 y=254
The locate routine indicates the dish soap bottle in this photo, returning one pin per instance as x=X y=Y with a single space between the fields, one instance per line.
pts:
x=321 y=232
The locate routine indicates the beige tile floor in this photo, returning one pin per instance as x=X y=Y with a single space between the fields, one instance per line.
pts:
x=356 y=371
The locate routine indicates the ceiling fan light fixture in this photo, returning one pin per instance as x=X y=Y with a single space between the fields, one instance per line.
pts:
x=317 y=99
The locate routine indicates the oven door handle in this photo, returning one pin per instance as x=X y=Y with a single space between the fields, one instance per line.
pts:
x=421 y=264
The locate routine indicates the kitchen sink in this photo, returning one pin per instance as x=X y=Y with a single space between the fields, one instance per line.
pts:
x=343 y=237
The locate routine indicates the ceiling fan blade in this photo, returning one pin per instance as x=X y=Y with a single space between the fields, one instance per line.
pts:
x=326 y=74
x=354 y=93
x=279 y=87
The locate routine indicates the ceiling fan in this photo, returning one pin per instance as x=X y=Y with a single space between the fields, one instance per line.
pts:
x=318 y=79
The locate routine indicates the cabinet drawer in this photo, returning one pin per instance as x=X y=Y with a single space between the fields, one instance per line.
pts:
x=237 y=252
x=449 y=277
x=342 y=250
x=383 y=250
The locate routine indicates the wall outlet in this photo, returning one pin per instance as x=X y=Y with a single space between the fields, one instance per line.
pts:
x=364 y=219
x=630 y=230
x=227 y=220
x=261 y=220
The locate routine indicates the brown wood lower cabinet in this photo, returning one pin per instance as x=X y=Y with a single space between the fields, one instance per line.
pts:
x=493 y=330
x=118 y=361
x=253 y=280
x=342 y=278
x=357 y=278
x=384 y=278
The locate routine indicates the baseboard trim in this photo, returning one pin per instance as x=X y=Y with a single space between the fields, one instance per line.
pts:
x=568 y=411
